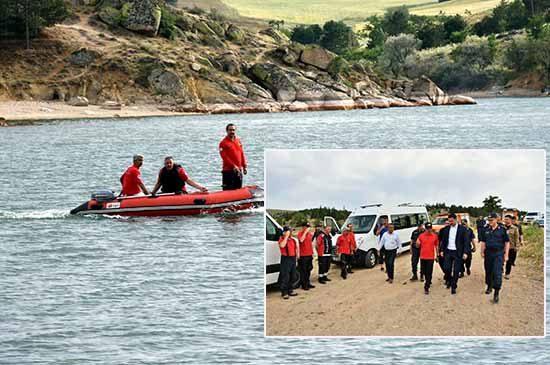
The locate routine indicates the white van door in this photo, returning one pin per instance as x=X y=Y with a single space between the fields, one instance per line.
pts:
x=273 y=232
x=329 y=221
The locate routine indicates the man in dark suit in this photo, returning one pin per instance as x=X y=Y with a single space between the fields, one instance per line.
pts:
x=454 y=247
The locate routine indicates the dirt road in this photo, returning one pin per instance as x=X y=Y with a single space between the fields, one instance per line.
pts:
x=366 y=305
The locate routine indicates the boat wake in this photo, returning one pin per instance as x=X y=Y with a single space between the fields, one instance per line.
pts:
x=34 y=214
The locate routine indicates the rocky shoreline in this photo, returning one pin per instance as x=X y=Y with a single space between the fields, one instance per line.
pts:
x=113 y=69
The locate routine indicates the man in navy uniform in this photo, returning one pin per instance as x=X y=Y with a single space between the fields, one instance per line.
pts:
x=471 y=239
x=454 y=247
x=494 y=244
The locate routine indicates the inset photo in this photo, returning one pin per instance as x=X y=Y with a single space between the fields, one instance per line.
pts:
x=405 y=243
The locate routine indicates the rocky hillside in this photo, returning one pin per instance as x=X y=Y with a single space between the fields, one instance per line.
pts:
x=112 y=52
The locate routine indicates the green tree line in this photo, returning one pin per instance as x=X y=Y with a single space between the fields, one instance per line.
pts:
x=23 y=19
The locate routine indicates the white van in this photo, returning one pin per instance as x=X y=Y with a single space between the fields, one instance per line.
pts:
x=530 y=217
x=272 y=254
x=405 y=218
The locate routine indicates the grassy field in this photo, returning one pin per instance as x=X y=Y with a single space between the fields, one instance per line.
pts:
x=319 y=11
x=534 y=245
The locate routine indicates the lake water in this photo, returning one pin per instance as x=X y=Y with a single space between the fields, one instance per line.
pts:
x=76 y=290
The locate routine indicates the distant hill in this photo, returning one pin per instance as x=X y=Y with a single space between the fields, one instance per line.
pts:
x=319 y=11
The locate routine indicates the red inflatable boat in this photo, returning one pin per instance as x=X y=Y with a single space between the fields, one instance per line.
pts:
x=105 y=202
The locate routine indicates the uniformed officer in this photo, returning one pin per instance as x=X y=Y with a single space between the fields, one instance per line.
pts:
x=324 y=253
x=494 y=243
x=471 y=239
x=289 y=251
x=415 y=253
x=516 y=223
x=513 y=234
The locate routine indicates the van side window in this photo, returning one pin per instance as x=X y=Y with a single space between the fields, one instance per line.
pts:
x=271 y=231
x=422 y=218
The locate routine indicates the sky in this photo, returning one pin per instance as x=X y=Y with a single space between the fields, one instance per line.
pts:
x=300 y=179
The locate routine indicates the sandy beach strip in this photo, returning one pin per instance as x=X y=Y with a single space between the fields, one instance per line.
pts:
x=20 y=112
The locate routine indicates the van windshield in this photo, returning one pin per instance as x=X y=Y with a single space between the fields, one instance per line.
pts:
x=361 y=223
x=440 y=220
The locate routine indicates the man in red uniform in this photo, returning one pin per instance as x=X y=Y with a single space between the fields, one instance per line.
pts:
x=131 y=179
x=344 y=245
x=427 y=242
x=172 y=179
x=234 y=161
x=305 y=262
x=289 y=252
x=324 y=253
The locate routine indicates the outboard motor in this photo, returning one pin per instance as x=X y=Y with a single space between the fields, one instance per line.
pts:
x=103 y=196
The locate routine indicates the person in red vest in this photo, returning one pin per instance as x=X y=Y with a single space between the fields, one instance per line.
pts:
x=324 y=253
x=344 y=246
x=234 y=161
x=428 y=242
x=289 y=252
x=131 y=179
x=305 y=262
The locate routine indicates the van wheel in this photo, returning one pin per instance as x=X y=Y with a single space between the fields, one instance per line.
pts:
x=371 y=258
x=296 y=280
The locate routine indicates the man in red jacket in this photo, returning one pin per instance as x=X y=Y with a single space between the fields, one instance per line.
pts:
x=305 y=262
x=234 y=161
x=289 y=251
x=131 y=179
x=427 y=242
x=344 y=245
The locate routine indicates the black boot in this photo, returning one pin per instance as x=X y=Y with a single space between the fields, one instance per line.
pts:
x=489 y=290
x=414 y=277
x=322 y=280
x=495 y=297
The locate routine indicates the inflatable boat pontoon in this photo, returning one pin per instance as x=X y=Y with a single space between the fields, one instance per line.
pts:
x=105 y=202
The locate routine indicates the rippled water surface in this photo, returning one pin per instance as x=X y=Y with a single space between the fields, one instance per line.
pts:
x=78 y=290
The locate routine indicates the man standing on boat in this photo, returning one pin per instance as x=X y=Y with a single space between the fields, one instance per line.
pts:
x=172 y=179
x=131 y=179
x=234 y=161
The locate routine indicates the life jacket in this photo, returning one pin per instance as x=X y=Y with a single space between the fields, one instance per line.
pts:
x=324 y=244
x=170 y=180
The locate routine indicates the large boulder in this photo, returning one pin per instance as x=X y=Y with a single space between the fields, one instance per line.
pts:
x=276 y=35
x=109 y=15
x=78 y=101
x=317 y=56
x=426 y=88
x=234 y=34
x=83 y=57
x=142 y=16
x=165 y=82
x=288 y=86
x=229 y=63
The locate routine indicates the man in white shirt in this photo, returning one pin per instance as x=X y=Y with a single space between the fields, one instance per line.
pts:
x=390 y=243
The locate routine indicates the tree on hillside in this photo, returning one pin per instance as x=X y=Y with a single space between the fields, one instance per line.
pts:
x=536 y=6
x=276 y=23
x=432 y=33
x=25 y=18
x=307 y=34
x=337 y=37
x=396 y=21
x=396 y=50
x=541 y=48
x=476 y=53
